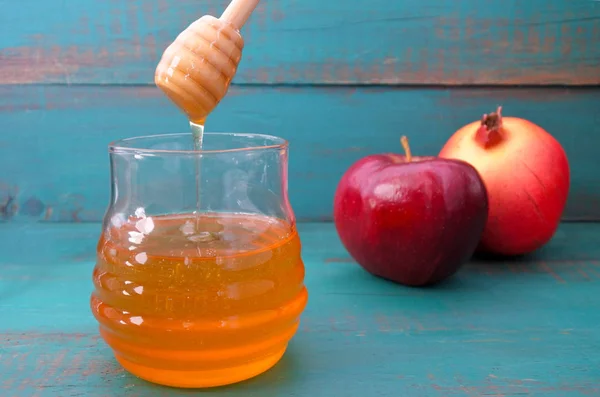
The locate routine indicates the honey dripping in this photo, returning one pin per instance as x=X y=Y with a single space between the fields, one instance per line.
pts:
x=196 y=70
x=209 y=298
x=198 y=138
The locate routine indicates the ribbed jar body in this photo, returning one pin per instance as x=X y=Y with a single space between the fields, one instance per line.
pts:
x=199 y=280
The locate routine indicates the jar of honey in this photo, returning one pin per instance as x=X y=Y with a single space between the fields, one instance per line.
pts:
x=199 y=280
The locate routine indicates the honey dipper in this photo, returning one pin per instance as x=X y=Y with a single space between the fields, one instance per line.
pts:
x=196 y=69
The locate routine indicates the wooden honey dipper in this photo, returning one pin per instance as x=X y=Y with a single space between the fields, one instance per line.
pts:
x=196 y=69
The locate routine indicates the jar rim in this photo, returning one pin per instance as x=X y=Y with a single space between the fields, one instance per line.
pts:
x=128 y=145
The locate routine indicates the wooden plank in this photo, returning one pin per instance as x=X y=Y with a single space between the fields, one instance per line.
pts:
x=526 y=328
x=53 y=146
x=313 y=42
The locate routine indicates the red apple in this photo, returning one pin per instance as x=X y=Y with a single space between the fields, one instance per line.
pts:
x=412 y=220
x=526 y=173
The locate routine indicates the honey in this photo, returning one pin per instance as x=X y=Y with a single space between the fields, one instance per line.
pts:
x=195 y=71
x=192 y=300
x=202 y=298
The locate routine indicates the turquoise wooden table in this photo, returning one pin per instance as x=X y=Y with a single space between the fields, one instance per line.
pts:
x=340 y=80
x=518 y=328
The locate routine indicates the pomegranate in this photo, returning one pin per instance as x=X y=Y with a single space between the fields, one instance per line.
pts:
x=526 y=173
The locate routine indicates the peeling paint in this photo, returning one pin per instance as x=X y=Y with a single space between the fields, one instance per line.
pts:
x=67 y=208
x=317 y=161
x=8 y=201
x=33 y=207
x=122 y=45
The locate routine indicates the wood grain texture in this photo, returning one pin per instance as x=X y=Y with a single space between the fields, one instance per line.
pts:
x=53 y=148
x=65 y=167
x=312 y=42
x=526 y=328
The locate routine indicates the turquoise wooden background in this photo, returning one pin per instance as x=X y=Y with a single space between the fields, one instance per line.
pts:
x=339 y=79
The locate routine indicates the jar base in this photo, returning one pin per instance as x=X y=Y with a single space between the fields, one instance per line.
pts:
x=201 y=378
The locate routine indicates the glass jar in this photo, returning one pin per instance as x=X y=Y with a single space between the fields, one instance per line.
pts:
x=199 y=280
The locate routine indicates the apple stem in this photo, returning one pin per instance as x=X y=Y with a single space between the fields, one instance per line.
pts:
x=404 y=142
